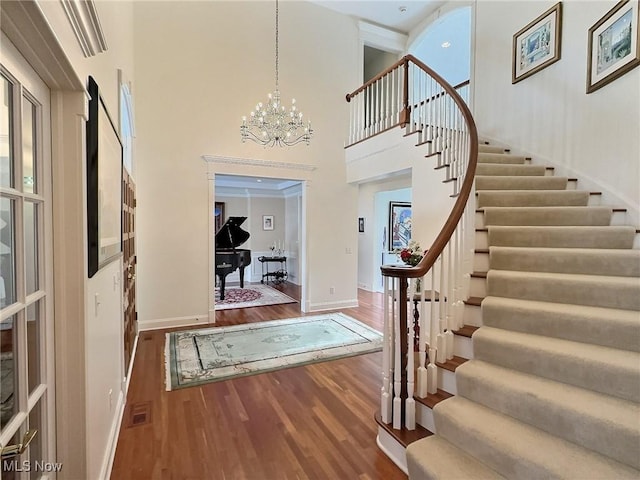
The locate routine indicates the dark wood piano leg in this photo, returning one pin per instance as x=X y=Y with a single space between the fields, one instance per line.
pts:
x=241 y=270
x=222 y=282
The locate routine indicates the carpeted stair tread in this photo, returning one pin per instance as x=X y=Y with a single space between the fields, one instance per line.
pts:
x=511 y=170
x=484 y=148
x=606 y=370
x=593 y=420
x=433 y=458
x=564 y=236
x=593 y=290
x=588 y=261
x=502 y=158
x=517 y=450
x=578 y=216
x=507 y=182
x=607 y=327
x=532 y=198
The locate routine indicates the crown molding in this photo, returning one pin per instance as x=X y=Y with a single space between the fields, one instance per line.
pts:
x=257 y=162
x=83 y=17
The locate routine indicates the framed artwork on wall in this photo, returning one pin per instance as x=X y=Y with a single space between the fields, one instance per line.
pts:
x=614 y=45
x=104 y=184
x=399 y=225
x=267 y=222
x=537 y=45
x=361 y=224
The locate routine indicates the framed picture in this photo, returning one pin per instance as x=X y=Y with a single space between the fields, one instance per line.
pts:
x=361 y=224
x=537 y=45
x=614 y=45
x=104 y=184
x=399 y=225
x=218 y=214
x=267 y=222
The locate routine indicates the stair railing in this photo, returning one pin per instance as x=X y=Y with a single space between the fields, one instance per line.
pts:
x=411 y=95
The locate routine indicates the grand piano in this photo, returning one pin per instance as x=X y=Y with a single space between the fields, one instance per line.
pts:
x=228 y=257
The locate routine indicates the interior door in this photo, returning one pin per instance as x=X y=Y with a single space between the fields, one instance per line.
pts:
x=27 y=395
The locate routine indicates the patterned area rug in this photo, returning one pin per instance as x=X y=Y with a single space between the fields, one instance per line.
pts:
x=195 y=357
x=250 y=296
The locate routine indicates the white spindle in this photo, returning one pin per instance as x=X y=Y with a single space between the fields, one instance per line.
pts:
x=410 y=405
x=450 y=301
x=397 y=370
x=422 y=353
x=387 y=351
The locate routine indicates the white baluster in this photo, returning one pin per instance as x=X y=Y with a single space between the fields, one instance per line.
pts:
x=450 y=301
x=440 y=339
x=397 y=371
x=410 y=406
x=432 y=369
x=422 y=353
x=387 y=351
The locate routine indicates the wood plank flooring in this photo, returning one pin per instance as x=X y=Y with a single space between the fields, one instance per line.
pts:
x=311 y=422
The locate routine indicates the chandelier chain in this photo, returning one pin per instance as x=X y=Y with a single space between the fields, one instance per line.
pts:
x=271 y=123
x=277 y=63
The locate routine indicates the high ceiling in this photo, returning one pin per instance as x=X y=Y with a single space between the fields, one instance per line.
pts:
x=398 y=15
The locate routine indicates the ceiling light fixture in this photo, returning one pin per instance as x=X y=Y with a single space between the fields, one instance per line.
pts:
x=272 y=124
x=445 y=45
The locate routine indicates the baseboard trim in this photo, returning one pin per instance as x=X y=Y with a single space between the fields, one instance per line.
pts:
x=392 y=449
x=113 y=442
x=322 y=306
x=158 y=324
x=107 y=466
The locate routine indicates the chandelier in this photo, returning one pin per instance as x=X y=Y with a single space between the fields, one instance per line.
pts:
x=272 y=124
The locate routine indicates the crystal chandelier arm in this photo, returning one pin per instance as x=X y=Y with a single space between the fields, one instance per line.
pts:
x=272 y=123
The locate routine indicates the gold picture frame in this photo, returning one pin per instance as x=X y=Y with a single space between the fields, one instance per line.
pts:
x=537 y=45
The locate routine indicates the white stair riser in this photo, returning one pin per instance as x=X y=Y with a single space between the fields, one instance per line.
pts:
x=463 y=347
x=472 y=315
x=424 y=417
x=480 y=262
x=636 y=241
x=482 y=240
x=447 y=381
x=392 y=449
x=478 y=287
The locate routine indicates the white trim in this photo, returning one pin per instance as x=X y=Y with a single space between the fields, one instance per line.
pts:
x=112 y=442
x=256 y=163
x=322 y=306
x=383 y=38
x=114 y=435
x=158 y=324
x=392 y=449
x=84 y=21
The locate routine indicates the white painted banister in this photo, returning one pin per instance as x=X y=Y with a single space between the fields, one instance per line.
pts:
x=412 y=96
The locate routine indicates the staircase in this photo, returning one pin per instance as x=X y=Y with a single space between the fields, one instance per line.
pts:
x=553 y=388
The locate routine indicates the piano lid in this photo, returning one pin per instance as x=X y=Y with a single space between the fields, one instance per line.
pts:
x=230 y=234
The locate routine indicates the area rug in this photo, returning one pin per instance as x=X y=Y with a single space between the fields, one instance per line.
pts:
x=195 y=357
x=250 y=296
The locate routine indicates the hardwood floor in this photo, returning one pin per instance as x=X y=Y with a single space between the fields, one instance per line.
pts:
x=311 y=422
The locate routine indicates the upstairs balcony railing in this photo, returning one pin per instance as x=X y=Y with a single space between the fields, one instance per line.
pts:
x=412 y=96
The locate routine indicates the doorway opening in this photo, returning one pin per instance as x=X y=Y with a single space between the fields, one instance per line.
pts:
x=272 y=212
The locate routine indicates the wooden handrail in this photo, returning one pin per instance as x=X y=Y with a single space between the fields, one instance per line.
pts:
x=465 y=191
x=403 y=60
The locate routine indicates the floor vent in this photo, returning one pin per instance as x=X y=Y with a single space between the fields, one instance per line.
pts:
x=139 y=414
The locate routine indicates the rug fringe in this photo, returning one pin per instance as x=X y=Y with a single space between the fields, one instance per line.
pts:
x=167 y=360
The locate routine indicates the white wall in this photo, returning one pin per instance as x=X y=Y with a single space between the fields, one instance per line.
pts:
x=101 y=389
x=202 y=66
x=548 y=115
x=293 y=236
x=374 y=207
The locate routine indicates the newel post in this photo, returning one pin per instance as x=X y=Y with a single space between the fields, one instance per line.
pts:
x=406 y=109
